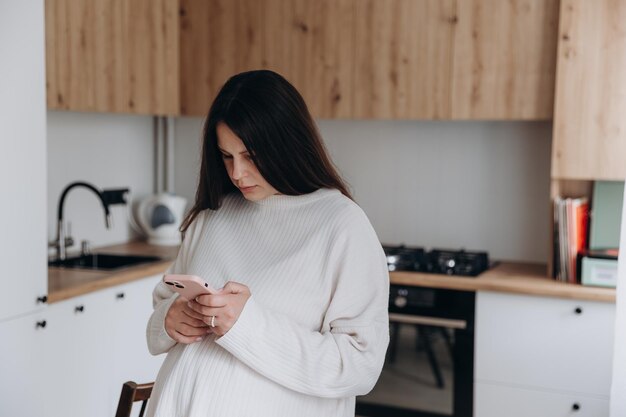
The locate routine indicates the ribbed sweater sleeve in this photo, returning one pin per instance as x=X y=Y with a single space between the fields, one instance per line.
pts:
x=162 y=298
x=343 y=358
x=158 y=340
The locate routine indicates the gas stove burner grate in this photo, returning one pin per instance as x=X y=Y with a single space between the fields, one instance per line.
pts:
x=439 y=261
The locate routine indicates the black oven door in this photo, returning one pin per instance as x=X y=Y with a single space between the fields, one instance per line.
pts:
x=429 y=368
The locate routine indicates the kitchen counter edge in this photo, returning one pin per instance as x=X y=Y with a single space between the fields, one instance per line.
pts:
x=65 y=283
x=508 y=277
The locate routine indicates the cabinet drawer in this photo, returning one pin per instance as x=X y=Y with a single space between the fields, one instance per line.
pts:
x=544 y=342
x=22 y=349
x=497 y=401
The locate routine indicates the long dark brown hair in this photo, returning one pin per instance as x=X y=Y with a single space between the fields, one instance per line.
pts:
x=272 y=120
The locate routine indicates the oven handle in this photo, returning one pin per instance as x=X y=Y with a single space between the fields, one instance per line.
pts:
x=428 y=321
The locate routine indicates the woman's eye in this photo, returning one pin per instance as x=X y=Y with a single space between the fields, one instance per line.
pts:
x=227 y=156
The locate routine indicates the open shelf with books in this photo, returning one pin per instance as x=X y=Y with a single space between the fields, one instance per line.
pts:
x=586 y=217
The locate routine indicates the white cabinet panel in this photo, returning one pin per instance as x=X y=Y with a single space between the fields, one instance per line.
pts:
x=78 y=356
x=132 y=361
x=23 y=246
x=22 y=366
x=544 y=342
x=499 y=401
x=77 y=363
x=23 y=285
x=92 y=352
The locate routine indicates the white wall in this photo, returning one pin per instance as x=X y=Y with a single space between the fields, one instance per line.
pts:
x=22 y=156
x=618 y=399
x=187 y=153
x=478 y=185
x=106 y=150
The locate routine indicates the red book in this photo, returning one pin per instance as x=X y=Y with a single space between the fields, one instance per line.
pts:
x=579 y=233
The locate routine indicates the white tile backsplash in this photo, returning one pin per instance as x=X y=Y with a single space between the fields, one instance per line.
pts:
x=478 y=185
x=106 y=150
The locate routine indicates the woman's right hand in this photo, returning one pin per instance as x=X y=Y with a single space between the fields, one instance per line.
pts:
x=183 y=324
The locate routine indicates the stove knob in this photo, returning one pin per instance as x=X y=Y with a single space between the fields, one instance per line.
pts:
x=400 y=302
x=450 y=263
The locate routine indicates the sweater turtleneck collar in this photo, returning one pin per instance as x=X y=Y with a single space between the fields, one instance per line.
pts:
x=283 y=200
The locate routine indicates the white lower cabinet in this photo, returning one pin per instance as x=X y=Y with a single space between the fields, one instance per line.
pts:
x=532 y=353
x=22 y=365
x=132 y=361
x=77 y=361
x=494 y=400
x=95 y=343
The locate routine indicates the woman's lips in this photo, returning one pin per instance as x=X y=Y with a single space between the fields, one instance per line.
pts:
x=247 y=189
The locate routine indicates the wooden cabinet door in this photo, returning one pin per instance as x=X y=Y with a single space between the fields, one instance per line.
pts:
x=404 y=52
x=308 y=42
x=218 y=38
x=112 y=56
x=504 y=59
x=322 y=61
x=589 y=140
x=470 y=59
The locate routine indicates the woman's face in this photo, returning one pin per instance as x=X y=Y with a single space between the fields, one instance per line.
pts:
x=241 y=170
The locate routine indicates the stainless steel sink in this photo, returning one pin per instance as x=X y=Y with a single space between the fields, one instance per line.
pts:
x=103 y=261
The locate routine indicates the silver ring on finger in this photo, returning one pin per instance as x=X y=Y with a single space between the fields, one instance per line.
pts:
x=212 y=321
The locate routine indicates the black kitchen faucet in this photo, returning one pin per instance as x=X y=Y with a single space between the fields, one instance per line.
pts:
x=107 y=197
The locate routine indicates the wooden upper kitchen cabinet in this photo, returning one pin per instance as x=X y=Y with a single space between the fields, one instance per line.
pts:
x=379 y=59
x=404 y=51
x=451 y=59
x=504 y=59
x=217 y=39
x=308 y=42
x=322 y=61
x=589 y=138
x=112 y=56
x=352 y=59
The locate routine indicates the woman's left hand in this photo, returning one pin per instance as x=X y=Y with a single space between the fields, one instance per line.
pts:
x=222 y=310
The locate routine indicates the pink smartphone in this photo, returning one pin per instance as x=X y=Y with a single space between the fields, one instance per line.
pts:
x=189 y=286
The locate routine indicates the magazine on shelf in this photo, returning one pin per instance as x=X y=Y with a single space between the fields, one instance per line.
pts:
x=571 y=217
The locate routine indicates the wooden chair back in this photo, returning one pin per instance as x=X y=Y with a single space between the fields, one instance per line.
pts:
x=132 y=393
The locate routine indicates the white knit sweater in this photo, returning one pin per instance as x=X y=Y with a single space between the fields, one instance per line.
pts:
x=315 y=331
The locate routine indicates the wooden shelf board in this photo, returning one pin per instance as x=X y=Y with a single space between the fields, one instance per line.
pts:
x=511 y=277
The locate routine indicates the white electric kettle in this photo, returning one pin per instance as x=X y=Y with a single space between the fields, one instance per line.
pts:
x=160 y=217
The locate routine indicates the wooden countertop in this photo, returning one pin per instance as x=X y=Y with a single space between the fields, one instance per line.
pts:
x=509 y=277
x=67 y=283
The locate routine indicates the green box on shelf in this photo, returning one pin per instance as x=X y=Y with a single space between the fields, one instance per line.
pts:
x=606 y=214
x=599 y=272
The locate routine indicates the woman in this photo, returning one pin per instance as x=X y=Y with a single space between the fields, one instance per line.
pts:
x=300 y=326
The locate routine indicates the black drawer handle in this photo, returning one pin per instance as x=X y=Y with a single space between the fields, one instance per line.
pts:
x=576 y=407
x=41 y=324
x=578 y=310
x=43 y=299
x=79 y=309
x=120 y=295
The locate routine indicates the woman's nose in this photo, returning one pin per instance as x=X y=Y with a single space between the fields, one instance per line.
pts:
x=239 y=169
